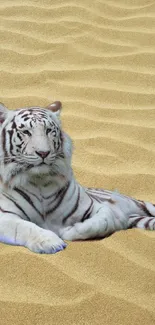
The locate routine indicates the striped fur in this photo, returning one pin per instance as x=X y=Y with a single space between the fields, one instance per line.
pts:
x=41 y=203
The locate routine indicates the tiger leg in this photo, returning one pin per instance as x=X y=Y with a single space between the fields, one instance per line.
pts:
x=16 y=231
x=100 y=225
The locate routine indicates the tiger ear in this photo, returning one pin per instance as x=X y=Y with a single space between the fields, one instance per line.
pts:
x=3 y=113
x=55 y=108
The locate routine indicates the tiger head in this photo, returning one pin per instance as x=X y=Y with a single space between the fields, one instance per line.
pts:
x=32 y=143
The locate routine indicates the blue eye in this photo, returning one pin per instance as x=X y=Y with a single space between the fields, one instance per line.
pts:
x=26 y=132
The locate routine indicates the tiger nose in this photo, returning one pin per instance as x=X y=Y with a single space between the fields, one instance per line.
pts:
x=42 y=154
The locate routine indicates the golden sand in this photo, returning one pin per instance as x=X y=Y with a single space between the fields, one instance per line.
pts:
x=98 y=58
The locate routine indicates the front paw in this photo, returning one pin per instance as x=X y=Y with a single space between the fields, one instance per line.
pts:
x=71 y=233
x=46 y=242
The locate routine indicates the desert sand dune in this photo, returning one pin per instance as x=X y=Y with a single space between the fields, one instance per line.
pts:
x=98 y=58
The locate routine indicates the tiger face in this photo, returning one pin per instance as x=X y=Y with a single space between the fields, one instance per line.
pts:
x=32 y=140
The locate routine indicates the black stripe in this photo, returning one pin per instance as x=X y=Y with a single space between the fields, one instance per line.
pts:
x=6 y=211
x=4 y=145
x=19 y=136
x=21 y=126
x=31 y=193
x=19 y=145
x=87 y=212
x=26 y=118
x=27 y=198
x=11 y=132
x=145 y=209
x=25 y=115
x=74 y=208
x=147 y=223
x=62 y=194
x=10 y=138
x=134 y=223
x=56 y=194
x=18 y=206
x=3 y=139
x=61 y=155
x=96 y=198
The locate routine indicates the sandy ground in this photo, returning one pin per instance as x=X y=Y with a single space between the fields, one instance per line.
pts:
x=98 y=58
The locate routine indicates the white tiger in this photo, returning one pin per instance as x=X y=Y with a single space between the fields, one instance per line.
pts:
x=41 y=203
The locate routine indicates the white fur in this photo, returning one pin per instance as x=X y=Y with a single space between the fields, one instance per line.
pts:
x=39 y=225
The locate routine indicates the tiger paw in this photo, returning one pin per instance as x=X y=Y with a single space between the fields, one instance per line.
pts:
x=46 y=242
x=71 y=233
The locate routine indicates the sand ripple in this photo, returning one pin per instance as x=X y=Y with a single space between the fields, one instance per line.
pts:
x=97 y=57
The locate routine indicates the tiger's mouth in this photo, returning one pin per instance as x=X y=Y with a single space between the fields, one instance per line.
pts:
x=39 y=169
x=42 y=163
x=30 y=166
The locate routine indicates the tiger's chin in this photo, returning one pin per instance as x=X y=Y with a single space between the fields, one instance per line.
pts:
x=39 y=170
x=14 y=175
x=17 y=175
